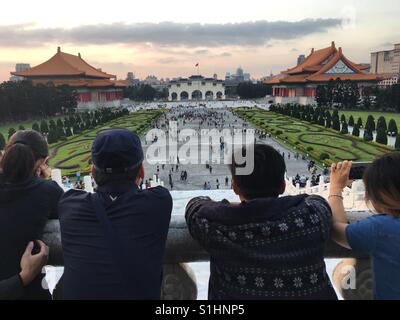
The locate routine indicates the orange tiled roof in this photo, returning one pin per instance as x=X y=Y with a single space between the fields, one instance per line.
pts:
x=316 y=65
x=314 y=60
x=64 y=64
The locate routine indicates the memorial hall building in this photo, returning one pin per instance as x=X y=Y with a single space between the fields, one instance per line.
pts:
x=93 y=87
x=299 y=84
x=196 y=88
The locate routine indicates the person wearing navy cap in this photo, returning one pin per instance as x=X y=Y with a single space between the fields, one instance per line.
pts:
x=114 y=239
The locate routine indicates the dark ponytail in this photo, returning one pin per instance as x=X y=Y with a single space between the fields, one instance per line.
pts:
x=17 y=163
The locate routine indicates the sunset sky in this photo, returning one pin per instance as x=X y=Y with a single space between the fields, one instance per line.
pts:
x=167 y=38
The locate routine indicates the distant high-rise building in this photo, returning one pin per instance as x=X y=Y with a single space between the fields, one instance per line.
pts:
x=246 y=76
x=131 y=78
x=387 y=62
x=20 y=67
x=239 y=74
x=301 y=59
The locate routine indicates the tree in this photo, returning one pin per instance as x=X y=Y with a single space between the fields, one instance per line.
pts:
x=381 y=123
x=356 y=131
x=35 y=127
x=22 y=100
x=368 y=136
x=249 y=90
x=52 y=137
x=351 y=121
x=343 y=118
x=321 y=96
x=370 y=125
x=21 y=127
x=392 y=129
x=336 y=124
x=381 y=136
x=345 y=129
x=2 y=141
x=44 y=128
x=11 y=131
x=60 y=123
x=321 y=120
x=359 y=122
x=68 y=132
x=397 y=144
x=328 y=122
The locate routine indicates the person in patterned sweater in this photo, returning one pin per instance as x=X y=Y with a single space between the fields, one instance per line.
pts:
x=266 y=246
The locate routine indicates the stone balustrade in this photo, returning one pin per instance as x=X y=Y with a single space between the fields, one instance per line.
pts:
x=179 y=281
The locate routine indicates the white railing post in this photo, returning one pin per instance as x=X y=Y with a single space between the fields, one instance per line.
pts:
x=56 y=176
x=87 y=180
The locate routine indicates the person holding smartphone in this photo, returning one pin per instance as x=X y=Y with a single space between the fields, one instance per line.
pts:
x=31 y=265
x=27 y=200
x=379 y=234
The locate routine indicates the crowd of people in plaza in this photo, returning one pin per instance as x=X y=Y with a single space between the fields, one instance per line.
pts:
x=265 y=246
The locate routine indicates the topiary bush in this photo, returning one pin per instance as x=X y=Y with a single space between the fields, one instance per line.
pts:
x=324 y=156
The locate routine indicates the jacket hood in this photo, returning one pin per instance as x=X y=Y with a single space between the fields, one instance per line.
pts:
x=13 y=191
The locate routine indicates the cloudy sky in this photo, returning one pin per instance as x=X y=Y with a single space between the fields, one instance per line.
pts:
x=167 y=38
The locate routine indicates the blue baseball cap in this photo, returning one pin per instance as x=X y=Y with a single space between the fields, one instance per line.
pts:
x=117 y=151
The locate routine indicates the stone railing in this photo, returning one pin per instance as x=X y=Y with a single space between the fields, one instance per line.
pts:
x=353 y=198
x=179 y=281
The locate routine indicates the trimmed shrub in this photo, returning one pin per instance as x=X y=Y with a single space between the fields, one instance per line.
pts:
x=351 y=121
x=11 y=131
x=310 y=149
x=356 y=131
x=381 y=136
x=324 y=156
x=35 y=127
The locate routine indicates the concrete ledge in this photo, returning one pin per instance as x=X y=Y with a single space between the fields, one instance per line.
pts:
x=181 y=248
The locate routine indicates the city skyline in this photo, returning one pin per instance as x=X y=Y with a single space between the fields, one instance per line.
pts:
x=168 y=39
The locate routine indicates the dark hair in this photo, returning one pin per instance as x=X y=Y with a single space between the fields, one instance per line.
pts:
x=268 y=175
x=382 y=183
x=34 y=140
x=17 y=163
x=102 y=178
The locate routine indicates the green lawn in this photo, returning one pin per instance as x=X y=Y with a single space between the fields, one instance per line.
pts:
x=364 y=115
x=312 y=139
x=73 y=154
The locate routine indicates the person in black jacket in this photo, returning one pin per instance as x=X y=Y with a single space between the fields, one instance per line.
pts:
x=264 y=247
x=114 y=240
x=31 y=266
x=27 y=201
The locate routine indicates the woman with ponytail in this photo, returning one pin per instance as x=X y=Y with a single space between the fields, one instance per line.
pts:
x=27 y=200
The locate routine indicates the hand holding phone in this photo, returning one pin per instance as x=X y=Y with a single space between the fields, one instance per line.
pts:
x=357 y=170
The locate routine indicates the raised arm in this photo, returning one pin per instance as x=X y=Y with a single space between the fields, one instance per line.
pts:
x=339 y=180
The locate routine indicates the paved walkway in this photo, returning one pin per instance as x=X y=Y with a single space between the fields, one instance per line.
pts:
x=198 y=174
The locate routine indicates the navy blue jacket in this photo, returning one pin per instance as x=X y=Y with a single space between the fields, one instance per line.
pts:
x=141 y=221
x=264 y=248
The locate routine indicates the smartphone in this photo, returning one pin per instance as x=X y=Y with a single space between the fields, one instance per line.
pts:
x=36 y=248
x=357 y=170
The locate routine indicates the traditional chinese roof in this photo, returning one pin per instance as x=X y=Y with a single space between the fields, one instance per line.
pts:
x=64 y=65
x=324 y=65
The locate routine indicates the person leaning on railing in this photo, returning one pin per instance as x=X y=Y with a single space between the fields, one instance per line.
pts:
x=27 y=201
x=378 y=235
